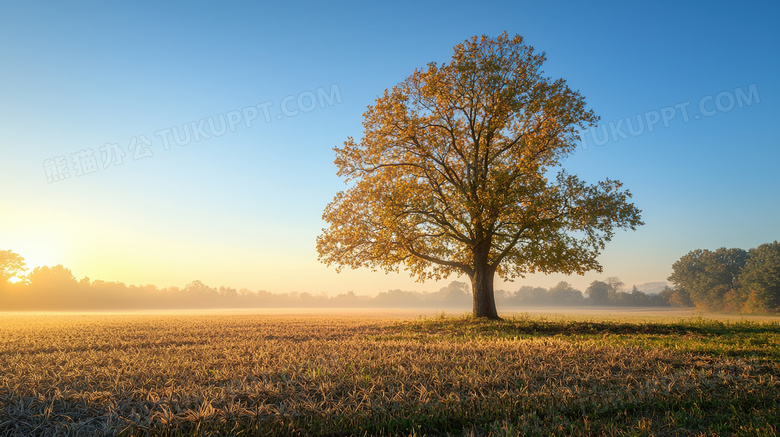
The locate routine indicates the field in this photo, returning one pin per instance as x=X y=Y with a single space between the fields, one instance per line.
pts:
x=387 y=374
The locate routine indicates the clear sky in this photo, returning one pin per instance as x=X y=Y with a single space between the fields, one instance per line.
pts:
x=197 y=136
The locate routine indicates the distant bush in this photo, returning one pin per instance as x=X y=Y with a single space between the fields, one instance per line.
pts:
x=732 y=280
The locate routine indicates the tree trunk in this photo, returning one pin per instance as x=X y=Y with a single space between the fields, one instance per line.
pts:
x=484 y=301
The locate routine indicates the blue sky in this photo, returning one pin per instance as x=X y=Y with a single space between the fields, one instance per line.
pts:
x=243 y=208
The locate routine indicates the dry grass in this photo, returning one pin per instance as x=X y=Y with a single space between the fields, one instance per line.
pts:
x=339 y=375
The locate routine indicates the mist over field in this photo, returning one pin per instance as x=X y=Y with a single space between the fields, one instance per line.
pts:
x=55 y=289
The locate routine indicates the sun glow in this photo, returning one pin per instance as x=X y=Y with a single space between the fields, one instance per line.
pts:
x=38 y=254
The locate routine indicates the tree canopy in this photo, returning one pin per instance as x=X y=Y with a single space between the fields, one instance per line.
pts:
x=711 y=278
x=598 y=292
x=454 y=175
x=760 y=278
x=12 y=265
x=731 y=279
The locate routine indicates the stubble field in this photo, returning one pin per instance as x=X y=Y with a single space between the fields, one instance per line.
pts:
x=340 y=374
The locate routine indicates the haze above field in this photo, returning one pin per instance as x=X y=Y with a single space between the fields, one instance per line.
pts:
x=169 y=143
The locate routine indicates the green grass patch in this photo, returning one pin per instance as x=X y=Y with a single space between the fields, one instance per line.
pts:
x=707 y=336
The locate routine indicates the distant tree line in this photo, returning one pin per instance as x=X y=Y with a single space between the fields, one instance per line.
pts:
x=600 y=293
x=732 y=280
x=55 y=288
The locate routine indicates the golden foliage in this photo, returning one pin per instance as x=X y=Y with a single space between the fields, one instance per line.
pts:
x=451 y=175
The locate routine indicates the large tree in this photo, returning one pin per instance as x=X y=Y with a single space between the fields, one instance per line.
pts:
x=454 y=174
